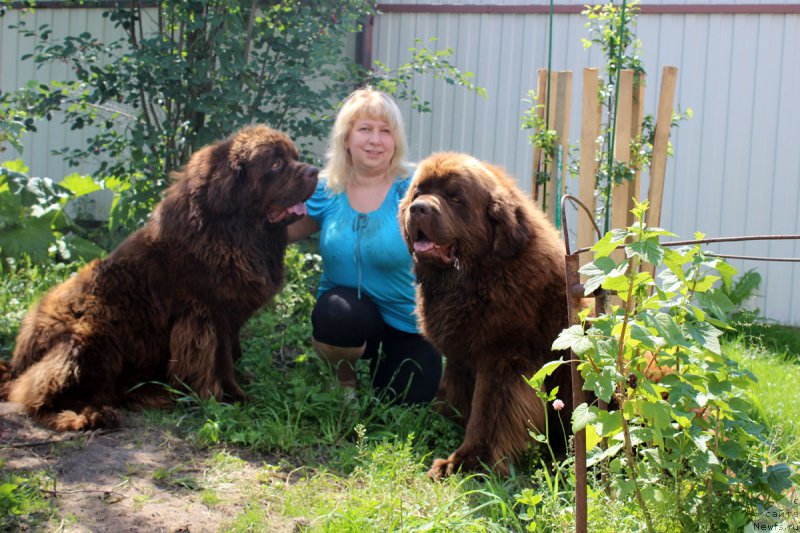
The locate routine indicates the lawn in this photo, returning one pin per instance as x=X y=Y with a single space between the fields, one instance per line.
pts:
x=325 y=461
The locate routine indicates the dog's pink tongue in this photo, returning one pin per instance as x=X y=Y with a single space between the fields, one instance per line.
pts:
x=422 y=246
x=297 y=209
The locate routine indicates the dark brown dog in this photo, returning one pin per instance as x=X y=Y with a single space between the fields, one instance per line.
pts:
x=168 y=303
x=491 y=297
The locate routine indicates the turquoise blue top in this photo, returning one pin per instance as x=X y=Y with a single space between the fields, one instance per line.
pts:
x=366 y=251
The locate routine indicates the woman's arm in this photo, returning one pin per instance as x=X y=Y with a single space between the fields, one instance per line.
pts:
x=303 y=228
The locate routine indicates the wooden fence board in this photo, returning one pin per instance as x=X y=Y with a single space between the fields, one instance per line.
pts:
x=658 y=164
x=590 y=130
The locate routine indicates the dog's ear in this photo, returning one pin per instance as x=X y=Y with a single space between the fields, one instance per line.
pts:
x=223 y=180
x=510 y=233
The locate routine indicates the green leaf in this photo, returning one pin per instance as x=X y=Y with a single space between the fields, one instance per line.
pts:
x=77 y=248
x=600 y=266
x=717 y=303
x=602 y=383
x=602 y=455
x=705 y=284
x=592 y=438
x=657 y=413
x=537 y=380
x=10 y=207
x=674 y=261
x=572 y=338
x=669 y=281
x=646 y=337
x=705 y=334
x=15 y=165
x=667 y=328
x=582 y=416
x=609 y=243
x=726 y=271
x=778 y=477
x=650 y=250
x=34 y=239
x=616 y=279
x=79 y=185
x=608 y=423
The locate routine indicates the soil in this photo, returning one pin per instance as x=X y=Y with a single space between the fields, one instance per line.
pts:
x=139 y=478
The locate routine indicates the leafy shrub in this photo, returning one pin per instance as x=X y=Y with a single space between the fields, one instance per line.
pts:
x=33 y=219
x=679 y=426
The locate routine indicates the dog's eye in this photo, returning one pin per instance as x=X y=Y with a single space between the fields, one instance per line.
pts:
x=277 y=165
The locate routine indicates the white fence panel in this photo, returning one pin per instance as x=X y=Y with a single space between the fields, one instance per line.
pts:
x=735 y=168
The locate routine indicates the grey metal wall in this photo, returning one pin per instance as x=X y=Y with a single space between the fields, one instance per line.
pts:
x=736 y=164
x=15 y=74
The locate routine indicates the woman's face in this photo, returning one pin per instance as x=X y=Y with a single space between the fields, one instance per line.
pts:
x=371 y=145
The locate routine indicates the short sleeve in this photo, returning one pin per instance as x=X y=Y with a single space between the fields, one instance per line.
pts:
x=318 y=204
x=401 y=187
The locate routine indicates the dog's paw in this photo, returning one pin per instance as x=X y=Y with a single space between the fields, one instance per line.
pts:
x=90 y=417
x=442 y=468
x=233 y=393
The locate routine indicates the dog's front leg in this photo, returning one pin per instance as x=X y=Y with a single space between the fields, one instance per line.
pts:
x=228 y=351
x=455 y=392
x=497 y=429
x=193 y=346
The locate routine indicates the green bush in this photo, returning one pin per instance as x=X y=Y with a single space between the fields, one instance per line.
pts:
x=679 y=428
x=33 y=219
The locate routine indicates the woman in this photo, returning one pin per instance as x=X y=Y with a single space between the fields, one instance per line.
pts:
x=366 y=297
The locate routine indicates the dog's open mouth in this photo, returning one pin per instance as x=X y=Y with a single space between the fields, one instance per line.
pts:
x=281 y=214
x=425 y=249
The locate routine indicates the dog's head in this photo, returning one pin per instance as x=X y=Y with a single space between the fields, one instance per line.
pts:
x=460 y=209
x=256 y=172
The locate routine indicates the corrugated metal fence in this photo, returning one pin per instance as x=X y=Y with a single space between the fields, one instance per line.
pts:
x=736 y=164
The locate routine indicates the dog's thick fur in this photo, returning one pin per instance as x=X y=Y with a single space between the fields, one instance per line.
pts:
x=167 y=304
x=491 y=297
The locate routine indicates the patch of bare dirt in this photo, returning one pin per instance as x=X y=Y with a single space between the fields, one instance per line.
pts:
x=138 y=478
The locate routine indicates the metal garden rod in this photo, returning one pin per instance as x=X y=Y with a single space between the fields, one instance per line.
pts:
x=719 y=239
x=574 y=291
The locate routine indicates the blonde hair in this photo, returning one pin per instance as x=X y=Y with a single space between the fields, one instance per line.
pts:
x=370 y=103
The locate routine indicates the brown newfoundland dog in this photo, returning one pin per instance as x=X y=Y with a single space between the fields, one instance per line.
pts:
x=491 y=297
x=167 y=304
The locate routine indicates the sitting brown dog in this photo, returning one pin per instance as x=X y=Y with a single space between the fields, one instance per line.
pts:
x=491 y=297
x=168 y=303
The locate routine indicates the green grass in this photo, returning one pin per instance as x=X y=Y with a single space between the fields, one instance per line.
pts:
x=24 y=504
x=358 y=464
x=776 y=393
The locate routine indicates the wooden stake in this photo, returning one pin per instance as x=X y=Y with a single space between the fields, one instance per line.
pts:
x=590 y=130
x=621 y=192
x=562 y=82
x=637 y=115
x=658 y=164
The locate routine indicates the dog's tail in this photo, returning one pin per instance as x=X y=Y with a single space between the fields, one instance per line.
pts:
x=46 y=391
x=5 y=379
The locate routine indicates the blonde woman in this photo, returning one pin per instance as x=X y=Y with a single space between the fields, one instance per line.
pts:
x=365 y=305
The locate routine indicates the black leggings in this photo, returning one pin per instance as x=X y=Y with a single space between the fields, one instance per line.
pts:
x=409 y=367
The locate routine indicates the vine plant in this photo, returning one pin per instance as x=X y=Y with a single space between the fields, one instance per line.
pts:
x=612 y=29
x=677 y=428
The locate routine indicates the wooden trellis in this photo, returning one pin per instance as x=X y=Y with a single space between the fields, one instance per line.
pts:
x=553 y=107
